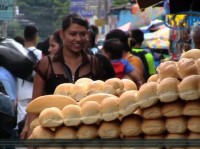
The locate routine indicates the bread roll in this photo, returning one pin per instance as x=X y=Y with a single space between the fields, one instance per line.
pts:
x=64 y=132
x=47 y=101
x=167 y=69
x=40 y=132
x=197 y=62
x=35 y=123
x=109 y=130
x=168 y=89
x=147 y=95
x=117 y=85
x=98 y=97
x=128 y=103
x=154 y=136
x=153 y=78
x=153 y=112
x=51 y=117
x=187 y=67
x=189 y=88
x=193 y=135
x=84 y=81
x=176 y=145
x=129 y=85
x=173 y=109
x=78 y=91
x=176 y=124
x=71 y=115
x=91 y=112
x=193 y=54
x=95 y=87
x=153 y=126
x=192 y=108
x=63 y=89
x=131 y=125
x=110 y=108
x=87 y=132
x=176 y=136
x=194 y=124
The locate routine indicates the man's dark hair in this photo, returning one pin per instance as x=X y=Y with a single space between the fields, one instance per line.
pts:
x=19 y=39
x=114 y=47
x=30 y=32
x=138 y=35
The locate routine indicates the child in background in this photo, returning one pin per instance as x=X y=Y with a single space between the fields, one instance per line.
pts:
x=113 y=50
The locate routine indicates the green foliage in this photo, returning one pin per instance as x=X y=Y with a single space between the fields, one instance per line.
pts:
x=14 y=29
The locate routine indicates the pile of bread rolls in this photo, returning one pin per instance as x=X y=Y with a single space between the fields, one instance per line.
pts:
x=166 y=106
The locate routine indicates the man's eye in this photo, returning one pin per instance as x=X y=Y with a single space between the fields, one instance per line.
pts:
x=82 y=34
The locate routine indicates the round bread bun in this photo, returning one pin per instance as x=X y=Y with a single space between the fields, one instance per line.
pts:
x=131 y=125
x=187 y=67
x=153 y=126
x=78 y=91
x=91 y=112
x=153 y=112
x=197 y=62
x=176 y=136
x=40 y=132
x=42 y=102
x=193 y=54
x=167 y=69
x=63 y=89
x=192 y=108
x=194 y=124
x=109 y=130
x=153 y=78
x=51 y=117
x=129 y=85
x=176 y=124
x=193 y=135
x=147 y=95
x=110 y=108
x=189 y=88
x=64 y=132
x=98 y=97
x=154 y=136
x=87 y=132
x=35 y=123
x=128 y=103
x=117 y=85
x=173 y=109
x=95 y=87
x=168 y=89
x=71 y=115
x=84 y=81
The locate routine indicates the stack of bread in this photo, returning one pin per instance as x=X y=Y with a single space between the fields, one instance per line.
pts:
x=167 y=106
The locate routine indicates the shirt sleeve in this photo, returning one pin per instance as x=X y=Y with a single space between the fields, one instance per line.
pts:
x=128 y=66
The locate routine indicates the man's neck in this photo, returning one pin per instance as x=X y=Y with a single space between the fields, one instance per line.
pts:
x=29 y=44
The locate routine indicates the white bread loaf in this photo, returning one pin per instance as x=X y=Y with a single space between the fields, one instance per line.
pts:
x=153 y=112
x=153 y=78
x=131 y=125
x=91 y=112
x=168 y=89
x=71 y=115
x=109 y=130
x=110 y=108
x=153 y=126
x=95 y=87
x=167 y=69
x=129 y=85
x=193 y=54
x=192 y=108
x=186 y=67
x=35 y=123
x=194 y=124
x=78 y=91
x=63 y=89
x=147 y=95
x=84 y=81
x=40 y=132
x=173 y=109
x=40 y=103
x=87 y=131
x=176 y=124
x=64 y=132
x=189 y=88
x=117 y=85
x=128 y=103
x=51 y=117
